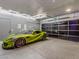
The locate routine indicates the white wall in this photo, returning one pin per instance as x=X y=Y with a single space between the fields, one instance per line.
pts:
x=16 y=24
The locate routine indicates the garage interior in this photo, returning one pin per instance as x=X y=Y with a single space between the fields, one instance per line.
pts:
x=58 y=18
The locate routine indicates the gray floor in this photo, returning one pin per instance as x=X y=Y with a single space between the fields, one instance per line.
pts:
x=49 y=49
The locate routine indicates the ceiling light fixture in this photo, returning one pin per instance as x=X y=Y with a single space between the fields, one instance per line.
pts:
x=68 y=10
x=53 y=1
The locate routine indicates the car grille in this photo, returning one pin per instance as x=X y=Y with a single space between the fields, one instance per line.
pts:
x=5 y=44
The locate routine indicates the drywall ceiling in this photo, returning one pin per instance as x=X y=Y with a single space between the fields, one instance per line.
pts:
x=32 y=7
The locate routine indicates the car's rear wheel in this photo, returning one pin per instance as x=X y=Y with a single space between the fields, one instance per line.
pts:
x=44 y=37
x=20 y=42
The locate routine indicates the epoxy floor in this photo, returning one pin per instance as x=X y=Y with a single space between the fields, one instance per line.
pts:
x=50 y=49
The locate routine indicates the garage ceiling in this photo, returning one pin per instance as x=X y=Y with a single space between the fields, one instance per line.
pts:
x=32 y=7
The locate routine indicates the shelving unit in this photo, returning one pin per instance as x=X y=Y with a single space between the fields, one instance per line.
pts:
x=68 y=30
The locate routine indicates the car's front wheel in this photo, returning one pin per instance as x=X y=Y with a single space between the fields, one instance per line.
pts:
x=20 y=42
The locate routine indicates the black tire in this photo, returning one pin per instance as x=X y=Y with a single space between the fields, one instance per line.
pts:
x=20 y=42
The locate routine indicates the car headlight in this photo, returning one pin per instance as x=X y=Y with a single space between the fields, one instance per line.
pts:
x=5 y=44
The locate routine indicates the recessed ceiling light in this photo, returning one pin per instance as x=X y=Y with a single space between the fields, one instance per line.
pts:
x=68 y=10
x=53 y=1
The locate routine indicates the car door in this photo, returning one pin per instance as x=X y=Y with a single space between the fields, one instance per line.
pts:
x=37 y=37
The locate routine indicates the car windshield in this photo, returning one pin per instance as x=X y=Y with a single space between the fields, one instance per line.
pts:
x=37 y=32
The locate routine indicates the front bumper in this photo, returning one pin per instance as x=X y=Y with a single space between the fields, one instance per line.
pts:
x=7 y=46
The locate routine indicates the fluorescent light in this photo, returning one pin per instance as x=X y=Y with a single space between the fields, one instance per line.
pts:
x=68 y=10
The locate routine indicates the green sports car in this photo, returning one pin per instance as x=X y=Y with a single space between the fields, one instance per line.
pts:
x=19 y=40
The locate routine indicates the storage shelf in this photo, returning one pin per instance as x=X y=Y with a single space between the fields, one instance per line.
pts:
x=53 y=34
x=68 y=25
x=72 y=36
x=65 y=29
